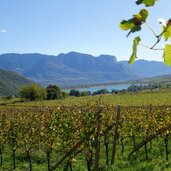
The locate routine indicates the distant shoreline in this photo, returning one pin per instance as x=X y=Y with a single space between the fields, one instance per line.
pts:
x=104 y=84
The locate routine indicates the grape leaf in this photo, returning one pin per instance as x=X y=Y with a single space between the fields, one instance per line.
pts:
x=167 y=54
x=136 y=28
x=166 y=32
x=134 y=24
x=144 y=14
x=134 y=53
x=146 y=2
x=127 y=24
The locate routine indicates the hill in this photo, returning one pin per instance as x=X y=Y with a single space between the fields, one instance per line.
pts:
x=147 y=69
x=164 y=81
x=77 y=69
x=11 y=82
x=66 y=70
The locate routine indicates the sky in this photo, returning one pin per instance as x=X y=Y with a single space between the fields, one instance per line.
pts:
x=86 y=26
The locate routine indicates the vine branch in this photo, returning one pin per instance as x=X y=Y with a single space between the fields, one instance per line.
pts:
x=158 y=37
x=150 y=47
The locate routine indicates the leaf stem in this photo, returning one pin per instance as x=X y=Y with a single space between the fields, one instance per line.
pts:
x=162 y=32
x=158 y=40
x=150 y=47
x=151 y=29
x=159 y=37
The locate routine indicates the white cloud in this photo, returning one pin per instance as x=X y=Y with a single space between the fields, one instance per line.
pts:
x=162 y=21
x=3 y=30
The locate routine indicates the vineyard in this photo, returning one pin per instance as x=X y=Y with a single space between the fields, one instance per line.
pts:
x=93 y=136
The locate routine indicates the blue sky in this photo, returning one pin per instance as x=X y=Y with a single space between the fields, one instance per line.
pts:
x=86 y=26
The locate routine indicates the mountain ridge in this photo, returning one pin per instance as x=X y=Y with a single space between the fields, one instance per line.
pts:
x=78 y=69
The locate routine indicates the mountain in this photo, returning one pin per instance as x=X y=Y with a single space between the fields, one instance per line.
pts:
x=11 y=82
x=147 y=69
x=66 y=70
x=77 y=69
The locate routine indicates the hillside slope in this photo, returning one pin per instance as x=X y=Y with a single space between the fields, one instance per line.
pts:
x=11 y=82
x=66 y=70
x=77 y=69
x=147 y=69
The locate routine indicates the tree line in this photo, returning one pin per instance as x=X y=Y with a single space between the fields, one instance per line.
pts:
x=51 y=92
x=35 y=92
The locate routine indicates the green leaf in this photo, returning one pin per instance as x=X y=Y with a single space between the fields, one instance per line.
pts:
x=167 y=54
x=146 y=2
x=144 y=14
x=141 y=16
x=134 y=24
x=134 y=53
x=167 y=32
x=136 y=28
x=127 y=24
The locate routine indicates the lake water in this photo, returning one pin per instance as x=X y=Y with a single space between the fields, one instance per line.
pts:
x=96 y=88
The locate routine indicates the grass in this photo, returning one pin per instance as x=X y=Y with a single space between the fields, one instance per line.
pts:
x=10 y=101
x=162 y=97
x=137 y=162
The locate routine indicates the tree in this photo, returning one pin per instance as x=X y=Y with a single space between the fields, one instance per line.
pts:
x=33 y=92
x=115 y=91
x=102 y=91
x=54 y=92
x=135 y=23
x=74 y=92
x=85 y=93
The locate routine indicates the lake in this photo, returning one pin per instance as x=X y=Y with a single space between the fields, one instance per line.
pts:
x=96 y=88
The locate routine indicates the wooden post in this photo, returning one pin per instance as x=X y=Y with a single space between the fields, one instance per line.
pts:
x=116 y=134
x=14 y=157
x=89 y=160
x=166 y=147
x=29 y=159
x=97 y=152
x=106 y=143
x=48 y=159
x=122 y=144
x=145 y=149
x=1 y=157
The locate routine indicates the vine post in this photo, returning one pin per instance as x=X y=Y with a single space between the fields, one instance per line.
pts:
x=116 y=134
x=97 y=140
x=166 y=146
